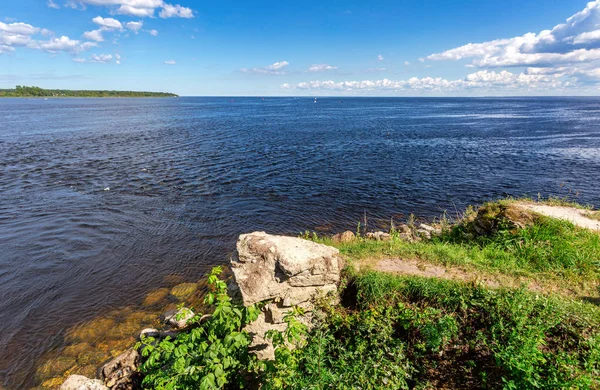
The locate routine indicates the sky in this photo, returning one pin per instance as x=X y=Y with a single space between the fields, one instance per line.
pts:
x=298 y=48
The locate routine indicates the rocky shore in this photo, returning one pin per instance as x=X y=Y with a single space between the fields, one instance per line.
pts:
x=278 y=271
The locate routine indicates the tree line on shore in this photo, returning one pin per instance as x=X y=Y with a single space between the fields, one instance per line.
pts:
x=25 y=91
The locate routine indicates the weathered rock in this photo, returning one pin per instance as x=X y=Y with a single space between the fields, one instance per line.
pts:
x=267 y=267
x=80 y=382
x=346 y=236
x=424 y=233
x=179 y=319
x=430 y=229
x=122 y=373
x=149 y=332
x=286 y=271
x=379 y=236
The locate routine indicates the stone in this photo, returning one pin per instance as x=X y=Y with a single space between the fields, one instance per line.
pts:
x=155 y=297
x=424 y=233
x=183 y=290
x=149 y=332
x=379 y=236
x=266 y=267
x=344 y=237
x=180 y=318
x=286 y=272
x=122 y=373
x=80 y=382
x=430 y=229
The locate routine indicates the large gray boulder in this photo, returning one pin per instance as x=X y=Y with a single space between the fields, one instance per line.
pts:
x=80 y=382
x=287 y=272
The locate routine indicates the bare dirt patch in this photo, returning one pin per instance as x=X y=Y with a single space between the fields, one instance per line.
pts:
x=578 y=217
x=413 y=267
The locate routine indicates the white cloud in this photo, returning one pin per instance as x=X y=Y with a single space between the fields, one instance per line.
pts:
x=117 y=58
x=154 y=33
x=134 y=11
x=135 y=26
x=108 y=23
x=102 y=58
x=138 y=8
x=94 y=35
x=484 y=79
x=575 y=42
x=52 y=4
x=6 y=49
x=321 y=68
x=170 y=62
x=274 y=69
x=64 y=44
x=19 y=28
x=96 y=58
x=175 y=11
x=406 y=63
x=380 y=58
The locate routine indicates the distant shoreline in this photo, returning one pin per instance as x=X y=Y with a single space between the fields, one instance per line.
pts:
x=36 y=92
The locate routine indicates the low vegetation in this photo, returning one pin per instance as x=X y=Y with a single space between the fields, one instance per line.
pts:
x=23 y=91
x=407 y=332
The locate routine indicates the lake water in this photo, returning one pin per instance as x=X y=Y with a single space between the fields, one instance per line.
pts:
x=101 y=199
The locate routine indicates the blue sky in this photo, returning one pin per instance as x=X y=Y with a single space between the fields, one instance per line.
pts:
x=357 y=48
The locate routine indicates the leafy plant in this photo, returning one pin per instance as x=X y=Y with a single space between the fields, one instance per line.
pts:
x=212 y=355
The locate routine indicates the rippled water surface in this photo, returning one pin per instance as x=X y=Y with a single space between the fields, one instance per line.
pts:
x=102 y=199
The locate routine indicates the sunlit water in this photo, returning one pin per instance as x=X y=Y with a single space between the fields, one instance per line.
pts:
x=101 y=199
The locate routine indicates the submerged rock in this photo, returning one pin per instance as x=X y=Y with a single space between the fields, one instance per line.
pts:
x=156 y=296
x=122 y=373
x=287 y=271
x=183 y=290
x=80 y=382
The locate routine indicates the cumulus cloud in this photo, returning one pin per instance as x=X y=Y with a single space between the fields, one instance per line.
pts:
x=406 y=63
x=134 y=11
x=63 y=44
x=484 y=79
x=96 y=58
x=52 y=4
x=94 y=35
x=321 y=68
x=170 y=62
x=101 y=58
x=138 y=8
x=175 y=11
x=278 y=68
x=118 y=59
x=19 y=28
x=108 y=23
x=380 y=58
x=135 y=26
x=154 y=33
x=577 y=41
x=24 y=35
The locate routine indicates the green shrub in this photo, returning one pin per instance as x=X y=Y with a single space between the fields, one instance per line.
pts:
x=212 y=355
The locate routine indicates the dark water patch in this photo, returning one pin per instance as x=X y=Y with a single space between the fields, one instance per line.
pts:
x=102 y=199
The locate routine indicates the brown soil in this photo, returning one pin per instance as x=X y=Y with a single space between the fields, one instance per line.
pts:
x=413 y=267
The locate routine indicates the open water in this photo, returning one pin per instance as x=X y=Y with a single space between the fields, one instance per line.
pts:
x=101 y=199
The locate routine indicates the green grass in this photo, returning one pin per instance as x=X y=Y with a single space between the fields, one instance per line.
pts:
x=417 y=333
x=594 y=215
x=547 y=249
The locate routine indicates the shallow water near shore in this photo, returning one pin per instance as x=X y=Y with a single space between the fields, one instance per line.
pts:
x=103 y=201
